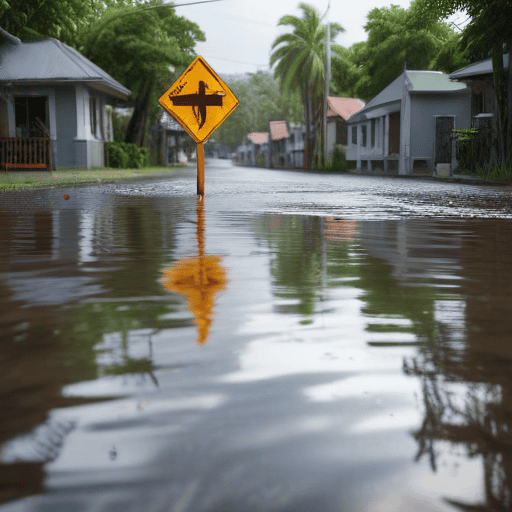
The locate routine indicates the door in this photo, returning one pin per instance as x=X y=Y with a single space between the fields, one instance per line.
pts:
x=28 y=110
x=444 y=127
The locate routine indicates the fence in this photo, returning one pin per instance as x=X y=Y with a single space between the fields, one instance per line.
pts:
x=25 y=153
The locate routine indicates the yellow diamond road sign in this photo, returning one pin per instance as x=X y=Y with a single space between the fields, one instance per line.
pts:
x=199 y=100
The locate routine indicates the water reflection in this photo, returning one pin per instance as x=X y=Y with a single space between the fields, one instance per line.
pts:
x=199 y=279
x=78 y=312
x=345 y=348
x=466 y=370
x=429 y=288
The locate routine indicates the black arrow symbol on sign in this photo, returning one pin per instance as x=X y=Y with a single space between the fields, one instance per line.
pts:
x=201 y=100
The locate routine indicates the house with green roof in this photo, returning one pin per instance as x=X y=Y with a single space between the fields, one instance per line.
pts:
x=53 y=105
x=409 y=124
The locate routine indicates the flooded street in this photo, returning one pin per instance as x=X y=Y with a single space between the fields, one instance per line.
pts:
x=297 y=342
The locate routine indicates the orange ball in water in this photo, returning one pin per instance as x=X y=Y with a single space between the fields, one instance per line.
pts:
x=66 y=197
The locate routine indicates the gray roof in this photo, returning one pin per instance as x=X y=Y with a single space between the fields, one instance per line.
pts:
x=389 y=99
x=433 y=81
x=50 y=61
x=482 y=67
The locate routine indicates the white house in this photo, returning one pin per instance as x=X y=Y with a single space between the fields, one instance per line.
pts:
x=410 y=123
x=49 y=90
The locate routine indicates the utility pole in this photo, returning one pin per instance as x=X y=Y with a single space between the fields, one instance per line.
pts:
x=327 y=78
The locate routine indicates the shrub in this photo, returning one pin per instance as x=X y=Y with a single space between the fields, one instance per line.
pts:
x=124 y=155
x=115 y=155
x=338 y=160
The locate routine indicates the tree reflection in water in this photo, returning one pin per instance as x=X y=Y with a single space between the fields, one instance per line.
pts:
x=467 y=376
x=478 y=420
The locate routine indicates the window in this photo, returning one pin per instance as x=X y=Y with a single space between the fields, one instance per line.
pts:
x=354 y=135
x=341 y=133
x=478 y=103
x=363 y=134
x=92 y=114
x=373 y=132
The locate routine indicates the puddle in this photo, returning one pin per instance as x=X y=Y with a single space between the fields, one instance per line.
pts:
x=162 y=355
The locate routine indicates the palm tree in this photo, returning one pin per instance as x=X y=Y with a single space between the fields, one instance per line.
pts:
x=300 y=62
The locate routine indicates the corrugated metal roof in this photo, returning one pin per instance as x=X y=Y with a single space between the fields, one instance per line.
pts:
x=343 y=107
x=258 y=137
x=49 y=60
x=278 y=130
x=421 y=81
x=483 y=67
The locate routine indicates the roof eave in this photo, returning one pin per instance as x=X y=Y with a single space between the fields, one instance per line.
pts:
x=97 y=83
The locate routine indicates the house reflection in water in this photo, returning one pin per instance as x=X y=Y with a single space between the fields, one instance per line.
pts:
x=339 y=230
x=199 y=279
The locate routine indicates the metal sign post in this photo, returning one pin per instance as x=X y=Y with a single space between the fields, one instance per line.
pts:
x=200 y=101
x=200 y=169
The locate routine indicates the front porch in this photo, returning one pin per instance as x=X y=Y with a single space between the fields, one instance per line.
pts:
x=25 y=153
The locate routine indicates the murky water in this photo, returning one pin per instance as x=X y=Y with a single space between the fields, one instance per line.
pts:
x=295 y=343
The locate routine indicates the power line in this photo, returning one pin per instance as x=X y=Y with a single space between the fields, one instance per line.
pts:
x=239 y=62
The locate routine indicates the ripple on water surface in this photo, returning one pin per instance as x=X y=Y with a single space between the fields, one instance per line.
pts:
x=338 y=356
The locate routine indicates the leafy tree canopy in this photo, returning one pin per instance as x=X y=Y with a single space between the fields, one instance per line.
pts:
x=136 y=43
x=38 y=19
x=144 y=46
x=261 y=101
x=400 y=37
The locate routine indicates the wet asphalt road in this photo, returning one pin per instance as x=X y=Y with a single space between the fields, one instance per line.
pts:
x=246 y=189
x=352 y=353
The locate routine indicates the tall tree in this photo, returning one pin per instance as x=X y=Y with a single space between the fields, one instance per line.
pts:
x=299 y=59
x=345 y=71
x=140 y=45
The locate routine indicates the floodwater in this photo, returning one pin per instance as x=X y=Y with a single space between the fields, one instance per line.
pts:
x=296 y=342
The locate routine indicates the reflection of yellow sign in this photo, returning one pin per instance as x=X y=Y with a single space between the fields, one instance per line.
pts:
x=199 y=279
x=199 y=100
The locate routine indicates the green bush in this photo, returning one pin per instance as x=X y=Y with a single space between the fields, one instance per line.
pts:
x=125 y=156
x=500 y=172
x=338 y=160
x=115 y=155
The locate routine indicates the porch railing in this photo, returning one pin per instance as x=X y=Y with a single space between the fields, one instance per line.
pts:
x=25 y=153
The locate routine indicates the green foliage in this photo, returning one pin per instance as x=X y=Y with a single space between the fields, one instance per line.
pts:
x=51 y=18
x=126 y=156
x=261 y=101
x=500 y=172
x=299 y=60
x=338 y=160
x=260 y=161
x=489 y=33
x=119 y=125
x=115 y=155
x=345 y=70
x=398 y=37
x=138 y=45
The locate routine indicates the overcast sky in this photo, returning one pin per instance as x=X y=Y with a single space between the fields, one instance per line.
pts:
x=240 y=33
